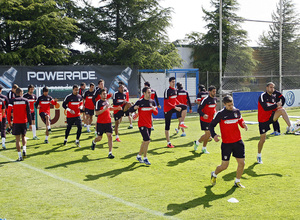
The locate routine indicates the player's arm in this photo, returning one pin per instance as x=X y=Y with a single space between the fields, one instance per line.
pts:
x=134 y=107
x=265 y=106
x=54 y=101
x=241 y=122
x=29 y=119
x=201 y=107
x=36 y=104
x=281 y=97
x=95 y=96
x=154 y=108
x=189 y=101
x=167 y=98
x=10 y=106
x=3 y=109
x=212 y=126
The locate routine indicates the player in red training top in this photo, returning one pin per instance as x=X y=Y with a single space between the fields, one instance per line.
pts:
x=4 y=118
x=127 y=113
x=11 y=95
x=146 y=107
x=21 y=109
x=269 y=111
x=183 y=98
x=44 y=102
x=171 y=105
x=206 y=110
x=102 y=109
x=73 y=104
x=96 y=96
x=88 y=106
x=32 y=100
x=229 y=119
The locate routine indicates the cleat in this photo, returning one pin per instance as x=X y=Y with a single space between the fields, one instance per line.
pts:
x=259 y=160
x=88 y=130
x=152 y=129
x=183 y=126
x=65 y=142
x=146 y=161
x=183 y=135
x=130 y=127
x=35 y=138
x=170 y=146
x=239 y=185
x=210 y=139
x=77 y=143
x=276 y=133
x=3 y=147
x=49 y=130
x=111 y=156
x=46 y=141
x=176 y=130
x=205 y=151
x=24 y=154
x=139 y=159
x=93 y=145
x=118 y=140
x=273 y=133
x=195 y=145
x=19 y=159
x=213 y=180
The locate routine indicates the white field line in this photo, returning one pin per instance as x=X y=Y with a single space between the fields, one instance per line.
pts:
x=84 y=187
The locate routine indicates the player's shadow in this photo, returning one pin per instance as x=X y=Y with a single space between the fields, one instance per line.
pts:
x=130 y=132
x=175 y=209
x=257 y=138
x=84 y=159
x=184 y=159
x=53 y=150
x=152 y=151
x=163 y=138
x=113 y=173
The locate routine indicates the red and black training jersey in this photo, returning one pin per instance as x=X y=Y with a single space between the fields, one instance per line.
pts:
x=104 y=117
x=170 y=99
x=88 y=97
x=44 y=103
x=81 y=91
x=2 y=107
x=229 y=121
x=11 y=95
x=208 y=107
x=31 y=99
x=126 y=91
x=21 y=109
x=5 y=100
x=73 y=102
x=153 y=96
x=145 y=112
x=97 y=97
x=201 y=95
x=266 y=105
x=183 y=97
x=279 y=97
x=119 y=99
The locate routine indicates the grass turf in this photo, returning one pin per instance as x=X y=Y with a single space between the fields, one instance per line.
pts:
x=66 y=182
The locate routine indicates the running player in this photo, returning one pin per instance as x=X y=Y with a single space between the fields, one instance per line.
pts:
x=202 y=94
x=171 y=105
x=127 y=113
x=269 y=111
x=146 y=107
x=183 y=98
x=276 y=125
x=206 y=110
x=44 y=102
x=20 y=106
x=104 y=121
x=32 y=100
x=89 y=106
x=73 y=104
x=4 y=118
x=229 y=118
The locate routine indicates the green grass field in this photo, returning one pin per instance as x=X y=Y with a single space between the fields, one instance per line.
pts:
x=66 y=182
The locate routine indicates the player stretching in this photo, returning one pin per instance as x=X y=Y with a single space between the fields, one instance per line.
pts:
x=229 y=118
x=146 y=107
x=32 y=100
x=172 y=105
x=276 y=125
x=73 y=104
x=44 y=102
x=4 y=118
x=21 y=109
x=206 y=110
x=102 y=109
x=183 y=98
x=89 y=106
x=269 y=111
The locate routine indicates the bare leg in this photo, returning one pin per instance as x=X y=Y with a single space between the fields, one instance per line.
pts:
x=144 y=148
x=117 y=123
x=222 y=167
x=167 y=135
x=282 y=112
x=261 y=142
x=110 y=144
x=18 y=146
x=240 y=168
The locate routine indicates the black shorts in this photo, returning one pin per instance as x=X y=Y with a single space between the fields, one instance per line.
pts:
x=43 y=116
x=19 y=129
x=168 y=115
x=119 y=115
x=145 y=132
x=74 y=121
x=82 y=111
x=265 y=126
x=89 y=111
x=204 y=125
x=126 y=113
x=32 y=115
x=237 y=149
x=103 y=128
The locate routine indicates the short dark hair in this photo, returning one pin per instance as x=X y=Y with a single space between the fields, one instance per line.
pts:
x=211 y=88
x=121 y=83
x=82 y=84
x=92 y=84
x=30 y=86
x=100 y=80
x=18 y=91
x=145 y=89
x=45 y=89
x=172 y=78
x=227 y=99
x=15 y=86
x=147 y=83
x=75 y=86
x=179 y=85
x=102 y=90
x=201 y=87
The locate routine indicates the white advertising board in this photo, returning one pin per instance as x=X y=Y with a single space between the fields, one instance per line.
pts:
x=292 y=97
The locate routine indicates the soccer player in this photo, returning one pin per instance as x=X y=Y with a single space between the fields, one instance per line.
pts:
x=229 y=118
x=20 y=106
x=183 y=98
x=201 y=94
x=44 y=102
x=127 y=113
x=73 y=104
x=269 y=111
x=4 y=117
x=102 y=109
x=81 y=92
x=32 y=100
x=145 y=107
x=96 y=96
x=89 y=106
x=276 y=125
x=206 y=110
x=11 y=95
x=171 y=105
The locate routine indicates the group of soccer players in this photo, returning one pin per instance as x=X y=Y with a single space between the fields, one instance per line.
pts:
x=19 y=110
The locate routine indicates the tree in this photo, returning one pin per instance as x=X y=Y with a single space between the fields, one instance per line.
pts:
x=35 y=32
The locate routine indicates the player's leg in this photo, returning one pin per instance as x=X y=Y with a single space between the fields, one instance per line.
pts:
x=145 y=132
x=110 y=144
x=48 y=123
x=276 y=128
x=24 y=143
x=18 y=146
x=168 y=116
x=78 y=123
x=68 y=129
x=260 y=146
x=239 y=154
x=3 y=132
x=205 y=141
x=116 y=129
x=183 y=113
x=130 y=120
x=282 y=112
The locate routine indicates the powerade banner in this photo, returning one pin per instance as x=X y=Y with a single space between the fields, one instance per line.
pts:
x=41 y=76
